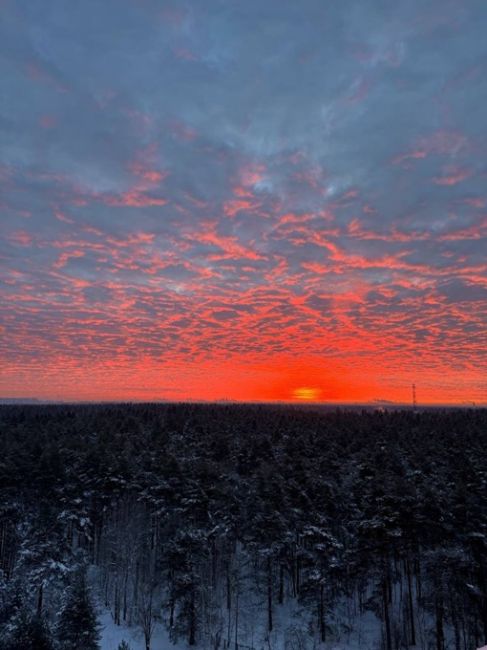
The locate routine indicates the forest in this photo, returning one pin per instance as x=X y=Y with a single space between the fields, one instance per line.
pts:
x=250 y=527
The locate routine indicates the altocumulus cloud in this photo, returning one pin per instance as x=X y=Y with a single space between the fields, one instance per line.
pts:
x=239 y=199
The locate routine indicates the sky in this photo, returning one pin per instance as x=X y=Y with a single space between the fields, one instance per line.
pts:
x=243 y=200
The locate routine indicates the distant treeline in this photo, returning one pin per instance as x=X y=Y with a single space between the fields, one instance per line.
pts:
x=214 y=519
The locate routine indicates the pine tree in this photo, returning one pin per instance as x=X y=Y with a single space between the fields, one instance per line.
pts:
x=78 y=626
x=28 y=634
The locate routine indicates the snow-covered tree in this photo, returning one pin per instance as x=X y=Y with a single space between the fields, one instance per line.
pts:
x=78 y=626
x=27 y=633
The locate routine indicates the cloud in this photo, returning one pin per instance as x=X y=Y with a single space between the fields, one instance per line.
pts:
x=245 y=201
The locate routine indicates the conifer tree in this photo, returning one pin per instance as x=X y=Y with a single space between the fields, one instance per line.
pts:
x=28 y=634
x=78 y=625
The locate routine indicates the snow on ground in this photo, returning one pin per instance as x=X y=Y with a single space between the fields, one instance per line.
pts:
x=112 y=635
x=290 y=632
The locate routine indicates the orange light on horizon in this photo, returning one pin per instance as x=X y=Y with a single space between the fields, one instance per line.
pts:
x=306 y=393
x=243 y=378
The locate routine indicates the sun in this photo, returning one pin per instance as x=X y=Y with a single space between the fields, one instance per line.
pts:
x=306 y=393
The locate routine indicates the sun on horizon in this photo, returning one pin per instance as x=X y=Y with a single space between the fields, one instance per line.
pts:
x=307 y=393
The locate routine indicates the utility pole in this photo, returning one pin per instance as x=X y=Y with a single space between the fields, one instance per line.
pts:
x=415 y=403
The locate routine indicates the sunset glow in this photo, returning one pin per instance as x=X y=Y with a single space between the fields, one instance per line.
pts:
x=307 y=394
x=193 y=208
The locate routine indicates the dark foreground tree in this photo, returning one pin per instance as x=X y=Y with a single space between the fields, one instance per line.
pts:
x=78 y=625
x=28 y=634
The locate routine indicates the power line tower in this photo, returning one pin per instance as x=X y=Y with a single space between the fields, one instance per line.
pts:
x=415 y=403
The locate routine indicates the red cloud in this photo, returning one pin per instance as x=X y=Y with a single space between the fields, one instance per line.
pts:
x=133 y=199
x=234 y=206
x=453 y=177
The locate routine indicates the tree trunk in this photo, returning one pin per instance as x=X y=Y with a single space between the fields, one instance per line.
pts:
x=322 y=613
x=125 y=584
x=40 y=598
x=440 y=639
x=387 y=621
x=297 y=575
x=116 y=603
x=236 y=622
x=269 y=594
x=483 y=589
x=192 y=619
x=281 y=584
x=229 y=589
x=410 y=603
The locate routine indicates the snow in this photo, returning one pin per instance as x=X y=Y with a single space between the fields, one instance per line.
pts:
x=112 y=635
x=290 y=632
